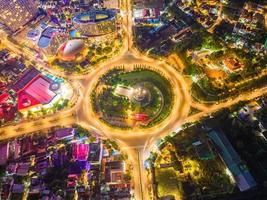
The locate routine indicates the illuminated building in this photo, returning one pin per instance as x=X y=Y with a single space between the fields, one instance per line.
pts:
x=149 y=4
x=95 y=22
x=111 y=4
x=51 y=40
x=146 y=10
x=34 y=89
x=56 y=41
x=16 y=13
x=80 y=151
x=85 y=2
x=4 y=150
x=70 y=50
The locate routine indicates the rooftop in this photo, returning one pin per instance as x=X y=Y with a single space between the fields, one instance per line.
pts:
x=243 y=178
x=4 y=152
x=26 y=78
x=80 y=151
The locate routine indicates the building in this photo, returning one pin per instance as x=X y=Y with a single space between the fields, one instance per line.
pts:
x=149 y=4
x=17 y=189
x=71 y=50
x=115 y=187
x=16 y=13
x=33 y=89
x=242 y=176
x=95 y=153
x=232 y=64
x=23 y=169
x=50 y=40
x=11 y=69
x=95 y=22
x=114 y=171
x=64 y=134
x=4 y=152
x=85 y=2
x=25 y=79
x=124 y=91
x=114 y=4
x=147 y=10
x=80 y=151
x=4 y=97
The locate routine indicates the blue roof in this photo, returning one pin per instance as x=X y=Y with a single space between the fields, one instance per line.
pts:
x=232 y=160
x=45 y=38
x=48 y=32
x=92 y=16
x=226 y=149
x=29 y=75
x=44 y=42
x=78 y=166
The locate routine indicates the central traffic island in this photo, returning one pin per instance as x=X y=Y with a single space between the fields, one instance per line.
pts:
x=140 y=97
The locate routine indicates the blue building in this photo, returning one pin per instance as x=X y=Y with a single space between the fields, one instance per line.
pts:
x=242 y=176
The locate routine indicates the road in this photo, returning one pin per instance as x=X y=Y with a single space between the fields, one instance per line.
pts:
x=219 y=19
x=137 y=143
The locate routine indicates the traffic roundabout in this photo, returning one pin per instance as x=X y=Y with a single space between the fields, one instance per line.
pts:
x=127 y=99
x=145 y=107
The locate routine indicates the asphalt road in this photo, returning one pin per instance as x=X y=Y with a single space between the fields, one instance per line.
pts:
x=137 y=143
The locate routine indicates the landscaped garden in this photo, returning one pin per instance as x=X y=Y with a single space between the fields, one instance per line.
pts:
x=186 y=166
x=139 y=98
x=93 y=54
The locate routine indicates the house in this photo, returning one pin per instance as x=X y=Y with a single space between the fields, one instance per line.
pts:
x=114 y=171
x=35 y=186
x=42 y=166
x=15 y=148
x=7 y=183
x=17 y=188
x=59 y=157
x=64 y=134
x=23 y=169
x=78 y=166
x=4 y=152
x=72 y=179
x=12 y=168
x=95 y=153
x=80 y=151
x=232 y=64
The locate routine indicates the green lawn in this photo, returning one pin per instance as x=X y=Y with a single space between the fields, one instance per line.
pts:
x=160 y=89
x=168 y=183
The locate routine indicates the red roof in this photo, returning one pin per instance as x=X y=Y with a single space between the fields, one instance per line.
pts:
x=8 y=112
x=26 y=101
x=80 y=151
x=1 y=113
x=232 y=64
x=4 y=97
x=39 y=89
x=35 y=92
x=140 y=117
x=2 y=86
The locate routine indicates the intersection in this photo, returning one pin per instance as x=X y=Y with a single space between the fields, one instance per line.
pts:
x=135 y=142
